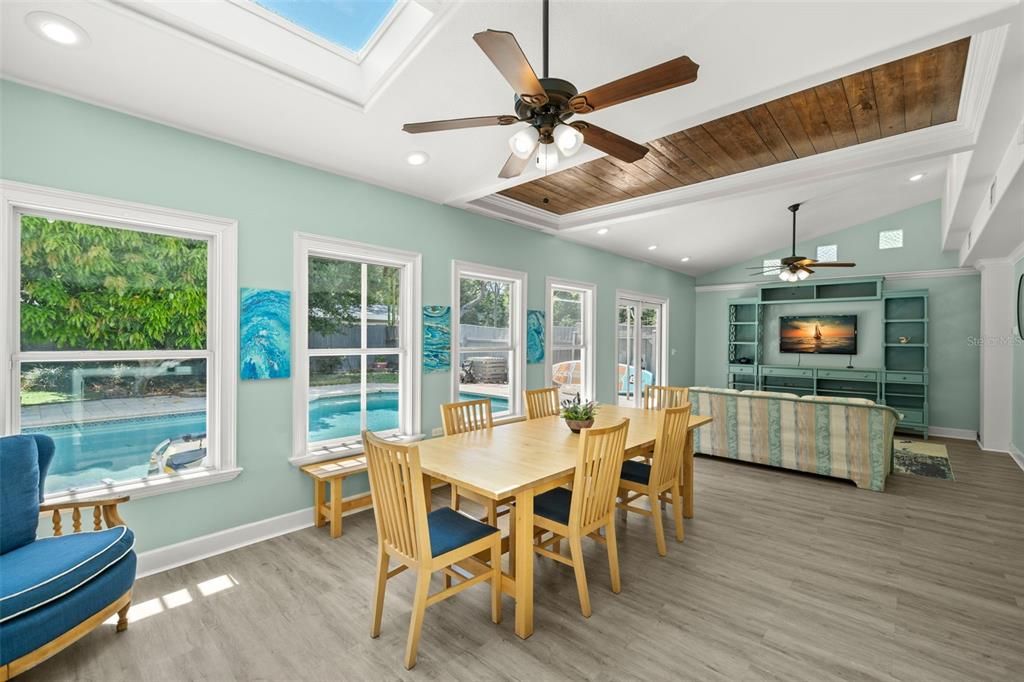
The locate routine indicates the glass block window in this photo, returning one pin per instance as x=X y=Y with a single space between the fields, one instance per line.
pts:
x=771 y=266
x=828 y=253
x=890 y=239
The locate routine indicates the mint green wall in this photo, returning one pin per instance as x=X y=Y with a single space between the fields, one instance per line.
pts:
x=921 y=233
x=58 y=142
x=1018 y=374
x=954 y=310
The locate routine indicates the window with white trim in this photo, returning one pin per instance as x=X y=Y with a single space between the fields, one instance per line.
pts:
x=488 y=318
x=771 y=267
x=357 y=327
x=570 y=356
x=828 y=253
x=122 y=342
x=890 y=239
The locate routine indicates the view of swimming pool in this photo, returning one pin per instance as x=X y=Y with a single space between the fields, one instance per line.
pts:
x=87 y=453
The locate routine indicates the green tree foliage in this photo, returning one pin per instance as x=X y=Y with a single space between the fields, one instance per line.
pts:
x=335 y=288
x=484 y=302
x=90 y=287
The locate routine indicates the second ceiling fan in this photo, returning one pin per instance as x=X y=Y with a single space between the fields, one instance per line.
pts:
x=547 y=103
x=794 y=268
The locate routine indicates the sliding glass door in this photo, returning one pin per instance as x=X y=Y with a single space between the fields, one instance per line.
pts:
x=639 y=346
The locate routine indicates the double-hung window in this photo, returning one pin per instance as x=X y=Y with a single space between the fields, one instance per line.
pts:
x=488 y=318
x=570 y=338
x=121 y=331
x=357 y=330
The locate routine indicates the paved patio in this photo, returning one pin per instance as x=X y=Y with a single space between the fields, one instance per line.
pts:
x=35 y=416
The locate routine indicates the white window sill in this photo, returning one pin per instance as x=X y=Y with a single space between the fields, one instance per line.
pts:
x=343 y=450
x=157 y=485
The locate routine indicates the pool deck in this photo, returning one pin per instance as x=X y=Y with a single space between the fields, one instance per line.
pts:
x=53 y=414
x=36 y=416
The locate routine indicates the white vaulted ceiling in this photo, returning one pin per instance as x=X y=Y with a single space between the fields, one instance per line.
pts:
x=173 y=63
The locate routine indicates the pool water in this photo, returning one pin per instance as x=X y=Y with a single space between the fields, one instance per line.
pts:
x=86 y=453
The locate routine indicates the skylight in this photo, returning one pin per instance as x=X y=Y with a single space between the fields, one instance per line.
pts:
x=347 y=23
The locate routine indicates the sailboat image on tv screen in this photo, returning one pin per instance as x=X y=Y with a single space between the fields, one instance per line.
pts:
x=818 y=334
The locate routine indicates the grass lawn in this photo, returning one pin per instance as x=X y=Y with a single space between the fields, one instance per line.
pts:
x=43 y=397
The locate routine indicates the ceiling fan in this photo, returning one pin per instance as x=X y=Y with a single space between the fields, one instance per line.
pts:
x=545 y=104
x=795 y=268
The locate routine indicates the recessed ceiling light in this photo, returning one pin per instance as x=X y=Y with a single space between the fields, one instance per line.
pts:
x=684 y=259
x=417 y=158
x=603 y=230
x=652 y=247
x=917 y=176
x=57 y=29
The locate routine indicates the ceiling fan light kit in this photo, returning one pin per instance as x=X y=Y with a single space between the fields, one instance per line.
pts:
x=794 y=268
x=546 y=104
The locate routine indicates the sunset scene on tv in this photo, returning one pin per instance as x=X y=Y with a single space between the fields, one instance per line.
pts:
x=818 y=334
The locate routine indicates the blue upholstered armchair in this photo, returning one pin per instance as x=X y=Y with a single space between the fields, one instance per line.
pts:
x=54 y=591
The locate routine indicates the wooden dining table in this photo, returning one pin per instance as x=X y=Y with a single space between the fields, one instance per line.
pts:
x=526 y=458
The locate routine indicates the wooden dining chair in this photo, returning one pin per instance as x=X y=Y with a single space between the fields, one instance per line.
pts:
x=590 y=505
x=542 y=402
x=421 y=541
x=660 y=397
x=463 y=417
x=660 y=478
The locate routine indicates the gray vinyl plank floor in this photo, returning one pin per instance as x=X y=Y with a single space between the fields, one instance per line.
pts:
x=782 y=576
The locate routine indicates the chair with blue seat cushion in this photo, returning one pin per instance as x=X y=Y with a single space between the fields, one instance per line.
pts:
x=55 y=590
x=421 y=541
x=659 y=480
x=586 y=509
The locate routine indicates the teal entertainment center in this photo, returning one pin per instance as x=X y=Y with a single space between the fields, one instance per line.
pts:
x=899 y=319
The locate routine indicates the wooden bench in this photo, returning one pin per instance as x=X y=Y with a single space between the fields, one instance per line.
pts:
x=327 y=484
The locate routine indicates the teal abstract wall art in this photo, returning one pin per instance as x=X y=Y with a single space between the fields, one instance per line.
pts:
x=437 y=338
x=534 y=336
x=265 y=334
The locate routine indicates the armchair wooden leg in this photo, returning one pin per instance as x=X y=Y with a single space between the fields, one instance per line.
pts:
x=122 y=617
x=496 y=580
x=576 y=550
x=677 y=512
x=378 y=597
x=419 y=608
x=613 y=555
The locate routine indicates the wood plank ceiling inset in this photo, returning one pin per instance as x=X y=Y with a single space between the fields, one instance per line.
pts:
x=915 y=92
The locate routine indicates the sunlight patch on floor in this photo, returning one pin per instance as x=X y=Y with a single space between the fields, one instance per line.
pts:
x=171 y=600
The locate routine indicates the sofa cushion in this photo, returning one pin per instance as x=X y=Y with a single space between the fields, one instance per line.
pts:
x=638 y=472
x=450 y=530
x=554 y=505
x=844 y=401
x=771 y=394
x=33 y=629
x=19 y=492
x=48 y=568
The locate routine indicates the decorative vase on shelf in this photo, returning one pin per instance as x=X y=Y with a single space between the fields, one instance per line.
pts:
x=904 y=339
x=578 y=415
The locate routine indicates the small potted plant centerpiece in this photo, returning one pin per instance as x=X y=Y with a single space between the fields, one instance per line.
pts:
x=578 y=414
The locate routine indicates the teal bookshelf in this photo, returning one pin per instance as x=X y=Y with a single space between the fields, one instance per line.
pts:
x=902 y=380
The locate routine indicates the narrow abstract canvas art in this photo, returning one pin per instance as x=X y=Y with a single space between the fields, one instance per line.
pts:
x=534 y=336
x=265 y=334
x=437 y=338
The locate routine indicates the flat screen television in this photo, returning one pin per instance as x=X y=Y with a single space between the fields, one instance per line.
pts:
x=818 y=334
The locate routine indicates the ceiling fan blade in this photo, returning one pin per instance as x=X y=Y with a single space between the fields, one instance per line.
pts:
x=806 y=269
x=457 y=123
x=832 y=264
x=610 y=143
x=671 y=74
x=502 y=48
x=515 y=165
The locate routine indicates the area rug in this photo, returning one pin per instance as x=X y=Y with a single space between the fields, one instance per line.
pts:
x=921 y=459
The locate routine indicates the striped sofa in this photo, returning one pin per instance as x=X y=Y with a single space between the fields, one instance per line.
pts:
x=840 y=437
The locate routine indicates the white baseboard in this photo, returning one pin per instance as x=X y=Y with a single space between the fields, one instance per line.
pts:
x=205 y=546
x=959 y=434
x=1017 y=455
